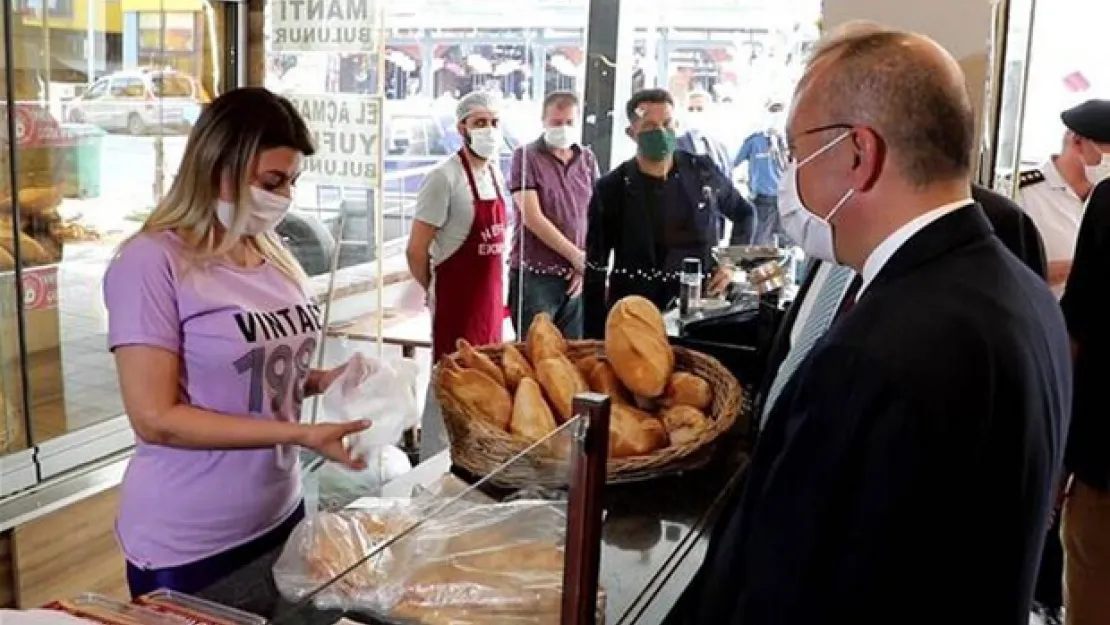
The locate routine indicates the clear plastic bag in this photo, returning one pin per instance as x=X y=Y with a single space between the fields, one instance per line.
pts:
x=469 y=563
x=383 y=392
x=324 y=546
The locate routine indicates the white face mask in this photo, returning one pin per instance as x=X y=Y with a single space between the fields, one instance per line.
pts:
x=266 y=210
x=775 y=121
x=562 y=137
x=812 y=233
x=1100 y=172
x=485 y=142
x=695 y=120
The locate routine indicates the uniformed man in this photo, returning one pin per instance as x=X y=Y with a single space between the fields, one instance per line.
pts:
x=1054 y=193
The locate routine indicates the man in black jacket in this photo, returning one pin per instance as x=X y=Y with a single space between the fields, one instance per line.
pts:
x=912 y=452
x=653 y=211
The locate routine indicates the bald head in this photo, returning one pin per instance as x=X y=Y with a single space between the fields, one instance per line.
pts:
x=902 y=85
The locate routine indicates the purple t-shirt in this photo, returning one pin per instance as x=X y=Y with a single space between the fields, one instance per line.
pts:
x=245 y=339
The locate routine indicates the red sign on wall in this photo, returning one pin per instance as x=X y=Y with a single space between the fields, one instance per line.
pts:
x=40 y=288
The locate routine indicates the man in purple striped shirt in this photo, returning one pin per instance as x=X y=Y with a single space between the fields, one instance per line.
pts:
x=551 y=180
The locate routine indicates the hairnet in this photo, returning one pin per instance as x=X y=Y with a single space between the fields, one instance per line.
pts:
x=475 y=101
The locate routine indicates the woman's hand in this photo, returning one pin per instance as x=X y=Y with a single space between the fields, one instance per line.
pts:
x=328 y=439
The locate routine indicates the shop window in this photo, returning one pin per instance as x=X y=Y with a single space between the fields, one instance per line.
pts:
x=93 y=159
x=1066 y=67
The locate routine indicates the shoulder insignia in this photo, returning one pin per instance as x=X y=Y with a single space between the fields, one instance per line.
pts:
x=1030 y=177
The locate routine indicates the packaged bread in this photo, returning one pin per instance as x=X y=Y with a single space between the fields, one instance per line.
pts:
x=326 y=546
x=633 y=432
x=479 y=394
x=544 y=339
x=561 y=381
x=687 y=389
x=472 y=359
x=532 y=417
x=636 y=346
x=515 y=366
x=684 y=424
x=516 y=579
x=602 y=379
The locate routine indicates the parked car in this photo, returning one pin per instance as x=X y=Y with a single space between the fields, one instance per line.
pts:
x=140 y=100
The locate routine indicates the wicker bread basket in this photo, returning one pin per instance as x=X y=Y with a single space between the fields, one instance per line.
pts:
x=482 y=448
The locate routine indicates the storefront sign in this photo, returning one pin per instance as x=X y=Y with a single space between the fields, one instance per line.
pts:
x=345 y=129
x=324 y=25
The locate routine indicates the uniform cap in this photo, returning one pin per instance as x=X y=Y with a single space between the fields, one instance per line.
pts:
x=1090 y=120
x=476 y=101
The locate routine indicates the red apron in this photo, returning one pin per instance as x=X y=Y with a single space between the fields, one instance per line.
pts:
x=469 y=291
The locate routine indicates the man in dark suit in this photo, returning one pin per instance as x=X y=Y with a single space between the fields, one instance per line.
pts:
x=911 y=454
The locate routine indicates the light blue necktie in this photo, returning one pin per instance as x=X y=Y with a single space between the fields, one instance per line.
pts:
x=820 y=318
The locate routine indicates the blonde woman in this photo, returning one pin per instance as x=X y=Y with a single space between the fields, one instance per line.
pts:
x=213 y=336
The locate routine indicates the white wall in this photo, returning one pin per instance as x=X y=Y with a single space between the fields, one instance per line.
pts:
x=963 y=27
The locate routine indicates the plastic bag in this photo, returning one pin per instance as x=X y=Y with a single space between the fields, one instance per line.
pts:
x=469 y=563
x=324 y=547
x=383 y=392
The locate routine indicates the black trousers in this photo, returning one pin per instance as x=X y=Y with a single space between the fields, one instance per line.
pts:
x=1049 y=591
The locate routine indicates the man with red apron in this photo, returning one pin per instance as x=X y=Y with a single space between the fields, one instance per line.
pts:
x=456 y=247
x=467 y=287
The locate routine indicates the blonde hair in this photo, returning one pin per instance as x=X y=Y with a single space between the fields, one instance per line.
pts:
x=227 y=140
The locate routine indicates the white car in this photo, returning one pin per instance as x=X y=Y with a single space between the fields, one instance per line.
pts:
x=140 y=100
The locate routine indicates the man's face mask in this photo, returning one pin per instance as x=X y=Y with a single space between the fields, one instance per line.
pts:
x=814 y=234
x=656 y=144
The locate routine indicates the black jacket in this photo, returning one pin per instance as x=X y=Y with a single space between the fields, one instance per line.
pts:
x=913 y=451
x=1086 y=305
x=618 y=225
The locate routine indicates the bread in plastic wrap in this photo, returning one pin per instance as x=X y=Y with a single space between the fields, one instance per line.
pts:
x=325 y=546
x=466 y=564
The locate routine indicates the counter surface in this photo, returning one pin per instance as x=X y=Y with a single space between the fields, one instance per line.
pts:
x=654 y=539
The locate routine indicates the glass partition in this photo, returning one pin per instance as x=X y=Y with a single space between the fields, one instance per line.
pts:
x=14 y=435
x=449 y=551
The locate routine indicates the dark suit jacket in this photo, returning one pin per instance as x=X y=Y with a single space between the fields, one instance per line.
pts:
x=1012 y=226
x=914 y=451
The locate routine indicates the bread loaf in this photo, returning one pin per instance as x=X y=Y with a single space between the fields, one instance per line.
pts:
x=684 y=424
x=636 y=346
x=603 y=380
x=478 y=393
x=472 y=359
x=561 y=381
x=687 y=389
x=544 y=339
x=633 y=432
x=515 y=366
x=532 y=417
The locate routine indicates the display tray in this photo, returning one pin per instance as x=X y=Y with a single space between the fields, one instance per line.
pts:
x=197 y=611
